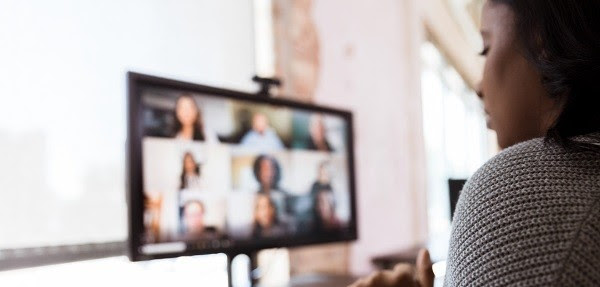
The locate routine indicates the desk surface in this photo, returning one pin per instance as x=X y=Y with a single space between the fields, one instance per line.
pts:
x=319 y=280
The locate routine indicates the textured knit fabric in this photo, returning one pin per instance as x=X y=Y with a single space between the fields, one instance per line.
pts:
x=529 y=217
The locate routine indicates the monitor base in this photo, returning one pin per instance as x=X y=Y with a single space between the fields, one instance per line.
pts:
x=252 y=267
x=321 y=280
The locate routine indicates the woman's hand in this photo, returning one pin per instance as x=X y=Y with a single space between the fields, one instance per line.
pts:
x=403 y=275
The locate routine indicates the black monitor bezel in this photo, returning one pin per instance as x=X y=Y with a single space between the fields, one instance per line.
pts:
x=135 y=198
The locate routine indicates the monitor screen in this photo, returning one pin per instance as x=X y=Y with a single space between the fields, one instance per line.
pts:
x=214 y=170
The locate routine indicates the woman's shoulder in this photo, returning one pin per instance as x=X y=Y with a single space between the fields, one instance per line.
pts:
x=536 y=161
x=535 y=171
x=526 y=204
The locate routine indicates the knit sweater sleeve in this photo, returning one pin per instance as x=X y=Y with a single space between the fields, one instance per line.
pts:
x=581 y=267
x=528 y=217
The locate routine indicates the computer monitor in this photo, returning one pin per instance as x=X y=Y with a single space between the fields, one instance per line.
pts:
x=220 y=171
x=455 y=187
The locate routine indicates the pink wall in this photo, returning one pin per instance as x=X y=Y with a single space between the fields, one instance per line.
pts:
x=370 y=64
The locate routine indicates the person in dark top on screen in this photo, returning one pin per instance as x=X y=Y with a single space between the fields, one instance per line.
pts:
x=188 y=119
x=317 y=139
x=326 y=220
x=266 y=221
x=267 y=172
x=323 y=181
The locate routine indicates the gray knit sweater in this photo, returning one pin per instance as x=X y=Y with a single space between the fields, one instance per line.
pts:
x=529 y=217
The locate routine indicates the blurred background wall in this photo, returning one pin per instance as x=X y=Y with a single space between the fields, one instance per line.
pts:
x=370 y=57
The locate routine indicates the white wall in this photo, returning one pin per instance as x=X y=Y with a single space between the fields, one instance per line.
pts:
x=63 y=97
x=370 y=64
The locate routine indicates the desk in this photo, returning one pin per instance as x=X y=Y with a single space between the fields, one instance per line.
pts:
x=319 y=280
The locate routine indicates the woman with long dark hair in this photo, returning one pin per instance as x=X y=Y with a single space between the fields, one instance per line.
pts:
x=267 y=172
x=317 y=139
x=190 y=173
x=266 y=220
x=323 y=181
x=188 y=119
x=531 y=215
x=324 y=216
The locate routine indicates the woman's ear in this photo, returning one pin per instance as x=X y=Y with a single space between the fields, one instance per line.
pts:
x=552 y=108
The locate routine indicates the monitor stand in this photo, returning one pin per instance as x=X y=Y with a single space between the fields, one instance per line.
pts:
x=252 y=267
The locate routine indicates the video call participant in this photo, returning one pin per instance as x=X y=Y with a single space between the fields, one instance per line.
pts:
x=262 y=136
x=326 y=221
x=266 y=221
x=153 y=204
x=323 y=180
x=193 y=222
x=190 y=173
x=317 y=139
x=267 y=172
x=189 y=124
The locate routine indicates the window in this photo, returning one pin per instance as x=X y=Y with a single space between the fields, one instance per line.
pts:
x=456 y=138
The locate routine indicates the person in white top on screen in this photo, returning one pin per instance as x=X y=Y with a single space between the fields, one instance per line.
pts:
x=193 y=217
x=262 y=136
x=190 y=175
x=193 y=220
